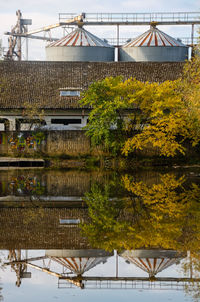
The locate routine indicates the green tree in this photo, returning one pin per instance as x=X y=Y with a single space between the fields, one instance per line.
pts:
x=190 y=89
x=104 y=213
x=128 y=115
x=33 y=114
x=108 y=98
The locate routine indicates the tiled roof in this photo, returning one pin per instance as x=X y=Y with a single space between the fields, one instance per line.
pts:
x=40 y=82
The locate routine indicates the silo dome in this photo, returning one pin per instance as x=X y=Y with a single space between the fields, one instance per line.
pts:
x=153 y=46
x=80 y=45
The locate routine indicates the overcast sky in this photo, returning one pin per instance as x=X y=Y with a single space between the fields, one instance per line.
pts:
x=45 y=12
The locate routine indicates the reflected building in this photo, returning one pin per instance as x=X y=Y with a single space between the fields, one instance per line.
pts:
x=58 y=263
x=79 y=261
x=18 y=266
x=152 y=261
x=70 y=267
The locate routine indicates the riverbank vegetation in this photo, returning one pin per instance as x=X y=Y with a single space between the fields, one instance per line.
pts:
x=129 y=115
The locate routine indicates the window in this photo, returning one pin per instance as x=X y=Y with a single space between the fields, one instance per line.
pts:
x=68 y=121
x=69 y=221
x=69 y=93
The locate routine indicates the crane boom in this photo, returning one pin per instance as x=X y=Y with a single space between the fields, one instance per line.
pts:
x=32 y=37
x=76 y=19
x=20 y=31
x=45 y=28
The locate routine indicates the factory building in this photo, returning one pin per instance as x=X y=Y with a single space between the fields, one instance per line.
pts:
x=56 y=87
x=73 y=63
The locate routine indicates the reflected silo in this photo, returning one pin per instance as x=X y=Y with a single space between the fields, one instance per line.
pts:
x=152 y=261
x=153 y=46
x=80 y=45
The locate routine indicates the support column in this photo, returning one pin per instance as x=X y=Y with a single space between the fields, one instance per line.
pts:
x=12 y=122
x=84 y=121
x=47 y=120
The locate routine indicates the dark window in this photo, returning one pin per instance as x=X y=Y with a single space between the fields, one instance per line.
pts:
x=67 y=121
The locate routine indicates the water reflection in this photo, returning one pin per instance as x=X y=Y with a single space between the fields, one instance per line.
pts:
x=71 y=266
x=164 y=214
x=103 y=230
x=152 y=261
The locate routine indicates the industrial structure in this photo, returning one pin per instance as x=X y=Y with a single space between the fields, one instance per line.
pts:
x=20 y=30
x=153 y=46
x=55 y=88
x=79 y=58
x=152 y=261
x=80 y=45
x=70 y=266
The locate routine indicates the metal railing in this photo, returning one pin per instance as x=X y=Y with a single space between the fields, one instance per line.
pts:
x=141 y=285
x=122 y=41
x=136 y=18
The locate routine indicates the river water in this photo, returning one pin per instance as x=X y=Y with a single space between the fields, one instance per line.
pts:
x=73 y=235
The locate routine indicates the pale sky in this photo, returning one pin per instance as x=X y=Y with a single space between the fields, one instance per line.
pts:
x=45 y=12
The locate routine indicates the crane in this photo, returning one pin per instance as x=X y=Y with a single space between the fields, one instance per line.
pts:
x=20 y=30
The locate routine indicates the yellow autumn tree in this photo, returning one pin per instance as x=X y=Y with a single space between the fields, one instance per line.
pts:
x=129 y=115
x=165 y=127
x=190 y=89
x=161 y=215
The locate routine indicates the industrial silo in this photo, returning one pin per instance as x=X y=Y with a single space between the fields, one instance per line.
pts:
x=80 y=45
x=153 y=46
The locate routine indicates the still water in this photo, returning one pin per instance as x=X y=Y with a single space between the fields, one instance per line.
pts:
x=85 y=236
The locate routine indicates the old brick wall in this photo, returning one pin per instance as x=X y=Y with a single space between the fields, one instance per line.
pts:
x=19 y=143
x=42 y=182
x=62 y=143
x=53 y=143
x=3 y=143
x=67 y=142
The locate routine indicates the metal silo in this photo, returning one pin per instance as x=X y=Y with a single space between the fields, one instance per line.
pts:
x=80 y=45
x=154 y=46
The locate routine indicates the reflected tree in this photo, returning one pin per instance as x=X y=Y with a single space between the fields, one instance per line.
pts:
x=164 y=215
x=191 y=267
x=104 y=214
x=1 y=297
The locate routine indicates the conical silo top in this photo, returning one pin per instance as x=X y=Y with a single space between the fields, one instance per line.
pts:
x=152 y=261
x=80 y=37
x=154 y=37
x=79 y=265
x=79 y=261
